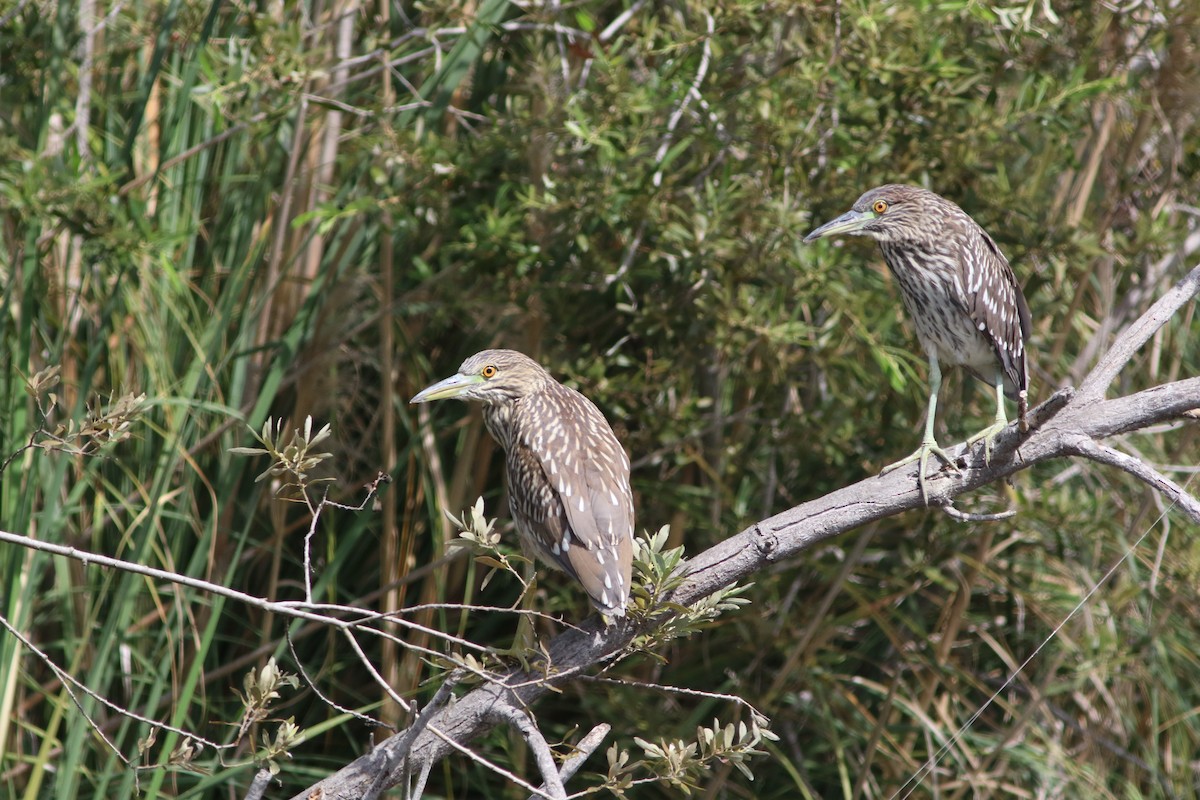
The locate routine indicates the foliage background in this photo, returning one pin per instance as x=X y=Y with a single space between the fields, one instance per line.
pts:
x=296 y=209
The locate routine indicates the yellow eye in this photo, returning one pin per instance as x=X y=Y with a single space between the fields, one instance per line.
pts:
x=489 y=371
x=880 y=206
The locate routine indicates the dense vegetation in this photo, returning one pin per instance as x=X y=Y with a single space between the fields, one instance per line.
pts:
x=243 y=211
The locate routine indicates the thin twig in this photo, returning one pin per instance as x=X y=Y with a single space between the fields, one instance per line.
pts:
x=421 y=720
x=189 y=153
x=439 y=700
x=68 y=680
x=399 y=745
x=485 y=763
x=379 y=679
x=630 y=252
x=613 y=27
x=296 y=609
x=692 y=92
x=321 y=695
x=662 y=687
x=968 y=516
x=561 y=43
x=315 y=517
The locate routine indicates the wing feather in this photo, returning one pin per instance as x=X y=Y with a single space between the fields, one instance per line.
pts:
x=587 y=471
x=998 y=309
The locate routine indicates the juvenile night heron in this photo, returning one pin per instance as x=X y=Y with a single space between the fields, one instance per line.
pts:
x=568 y=476
x=960 y=292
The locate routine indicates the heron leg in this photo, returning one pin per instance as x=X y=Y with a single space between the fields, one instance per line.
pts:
x=524 y=645
x=988 y=434
x=929 y=445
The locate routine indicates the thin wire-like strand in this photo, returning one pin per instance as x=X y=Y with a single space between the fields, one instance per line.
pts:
x=931 y=764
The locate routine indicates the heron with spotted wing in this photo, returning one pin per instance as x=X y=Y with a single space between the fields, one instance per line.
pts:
x=962 y=295
x=568 y=476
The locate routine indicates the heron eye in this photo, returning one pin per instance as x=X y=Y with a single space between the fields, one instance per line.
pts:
x=880 y=206
x=488 y=372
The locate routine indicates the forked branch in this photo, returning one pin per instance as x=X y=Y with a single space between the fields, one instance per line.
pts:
x=1067 y=424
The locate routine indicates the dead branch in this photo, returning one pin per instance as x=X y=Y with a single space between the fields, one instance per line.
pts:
x=587 y=745
x=1068 y=424
x=542 y=755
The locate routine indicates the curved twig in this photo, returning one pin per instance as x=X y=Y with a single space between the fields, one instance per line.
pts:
x=1103 y=454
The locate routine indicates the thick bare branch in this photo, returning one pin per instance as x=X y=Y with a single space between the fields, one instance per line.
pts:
x=1059 y=428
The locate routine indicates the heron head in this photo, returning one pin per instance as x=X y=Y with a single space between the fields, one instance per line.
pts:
x=891 y=213
x=490 y=376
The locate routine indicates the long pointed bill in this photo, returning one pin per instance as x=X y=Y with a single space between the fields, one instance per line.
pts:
x=453 y=386
x=850 y=222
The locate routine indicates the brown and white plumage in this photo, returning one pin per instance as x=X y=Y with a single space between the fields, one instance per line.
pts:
x=955 y=283
x=957 y=287
x=568 y=476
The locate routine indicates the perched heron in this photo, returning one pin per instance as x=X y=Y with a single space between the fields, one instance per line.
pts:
x=960 y=292
x=568 y=476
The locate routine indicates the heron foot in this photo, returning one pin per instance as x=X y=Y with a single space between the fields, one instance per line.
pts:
x=988 y=435
x=921 y=455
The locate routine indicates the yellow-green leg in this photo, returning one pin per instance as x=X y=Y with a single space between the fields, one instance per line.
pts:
x=988 y=434
x=524 y=646
x=928 y=444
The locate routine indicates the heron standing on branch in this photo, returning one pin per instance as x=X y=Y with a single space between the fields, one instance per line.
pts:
x=960 y=292
x=568 y=476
